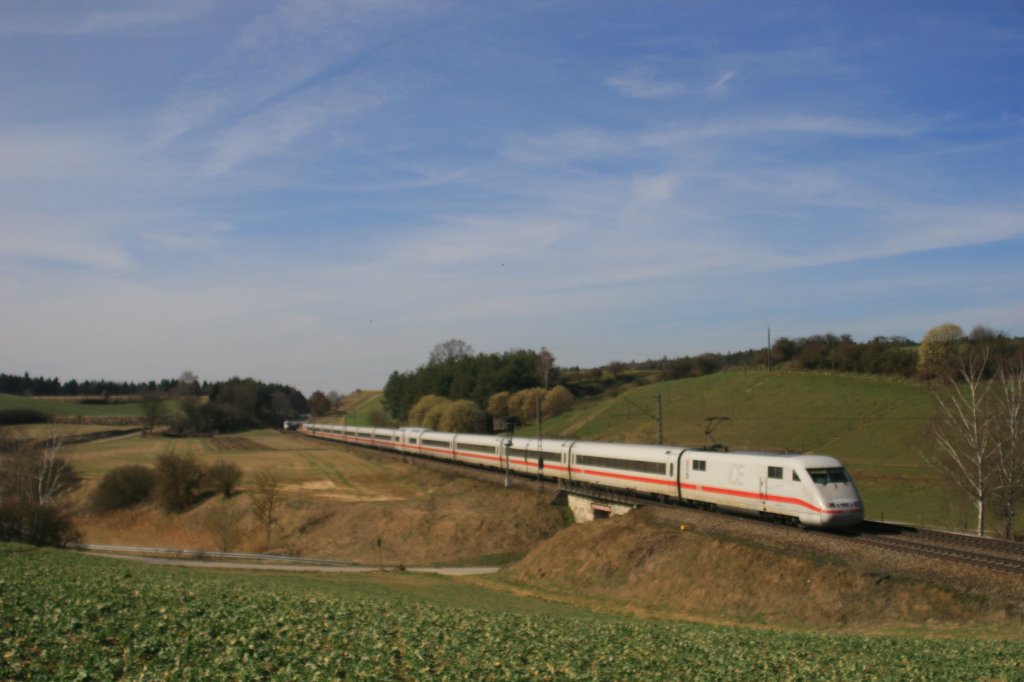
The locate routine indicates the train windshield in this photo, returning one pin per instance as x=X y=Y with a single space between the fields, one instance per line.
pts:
x=832 y=475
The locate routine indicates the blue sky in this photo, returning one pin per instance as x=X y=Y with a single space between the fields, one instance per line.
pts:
x=316 y=193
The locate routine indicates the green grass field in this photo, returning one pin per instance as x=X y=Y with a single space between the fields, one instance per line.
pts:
x=877 y=426
x=61 y=408
x=70 y=616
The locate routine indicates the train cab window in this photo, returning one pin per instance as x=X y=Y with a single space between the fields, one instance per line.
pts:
x=831 y=475
x=700 y=465
x=775 y=472
x=796 y=477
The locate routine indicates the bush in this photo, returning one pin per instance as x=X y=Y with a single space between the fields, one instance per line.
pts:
x=122 y=487
x=38 y=524
x=32 y=482
x=223 y=478
x=22 y=416
x=178 y=479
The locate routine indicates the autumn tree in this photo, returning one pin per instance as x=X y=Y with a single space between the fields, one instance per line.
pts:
x=523 y=404
x=425 y=411
x=557 y=401
x=938 y=352
x=461 y=416
x=497 y=406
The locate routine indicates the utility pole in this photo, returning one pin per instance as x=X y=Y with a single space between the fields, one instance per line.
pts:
x=661 y=423
x=768 y=355
x=656 y=417
x=540 y=440
x=510 y=428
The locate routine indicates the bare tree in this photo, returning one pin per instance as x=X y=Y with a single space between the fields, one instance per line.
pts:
x=449 y=350
x=53 y=473
x=153 y=408
x=266 y=499
x=1009 y=406
x=223 y=477
x=319 y=404
x=178 y=480
x=32 y=477
x=224 y=523
x=545 y=361
x=965 y=434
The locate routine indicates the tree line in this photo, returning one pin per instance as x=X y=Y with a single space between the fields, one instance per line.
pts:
x=454 y=372
x=51 y=387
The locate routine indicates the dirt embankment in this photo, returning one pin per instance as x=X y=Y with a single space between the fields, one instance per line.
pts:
x=453 y=521
x=644 y=563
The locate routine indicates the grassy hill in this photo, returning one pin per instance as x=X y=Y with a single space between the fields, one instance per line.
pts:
x=877 y=426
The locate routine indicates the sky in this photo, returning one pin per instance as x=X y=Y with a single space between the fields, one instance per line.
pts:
x=317 y=192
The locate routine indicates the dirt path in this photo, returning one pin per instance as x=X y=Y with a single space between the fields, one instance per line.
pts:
x=293 y=568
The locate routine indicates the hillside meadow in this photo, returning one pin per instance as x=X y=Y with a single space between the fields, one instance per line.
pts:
x=877 y=426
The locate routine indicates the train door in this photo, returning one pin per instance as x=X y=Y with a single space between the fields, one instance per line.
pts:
x=680 y=464
x=773 y=482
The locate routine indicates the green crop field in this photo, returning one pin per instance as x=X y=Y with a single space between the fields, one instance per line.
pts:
x=69 y=616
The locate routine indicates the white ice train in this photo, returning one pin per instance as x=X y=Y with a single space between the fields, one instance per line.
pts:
x=805 y=489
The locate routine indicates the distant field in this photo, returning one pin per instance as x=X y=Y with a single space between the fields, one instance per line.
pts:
x=321 y=467
x=63 y=408
x=118 y=619
x=46 y=431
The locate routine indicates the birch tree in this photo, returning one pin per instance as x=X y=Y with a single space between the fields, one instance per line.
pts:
x=966 y=435
x=1009 y=406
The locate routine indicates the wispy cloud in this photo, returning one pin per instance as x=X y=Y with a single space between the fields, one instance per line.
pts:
x=641 y=83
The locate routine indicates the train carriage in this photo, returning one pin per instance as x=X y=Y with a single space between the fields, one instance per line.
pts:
x=642 y=468
x=548 y=457
x=437 y=444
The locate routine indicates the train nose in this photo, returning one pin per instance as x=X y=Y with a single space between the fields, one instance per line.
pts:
x=843 y=513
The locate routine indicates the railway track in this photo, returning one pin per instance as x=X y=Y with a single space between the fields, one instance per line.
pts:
x=998 y=555
x=992 y=554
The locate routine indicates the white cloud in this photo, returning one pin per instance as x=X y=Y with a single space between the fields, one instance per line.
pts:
x=654 y=189
x=640 y=83
x=273 y=130
x=720 y=86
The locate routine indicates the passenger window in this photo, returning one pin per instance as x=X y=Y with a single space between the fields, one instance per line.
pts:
x=699 y=465
x=775 y=472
